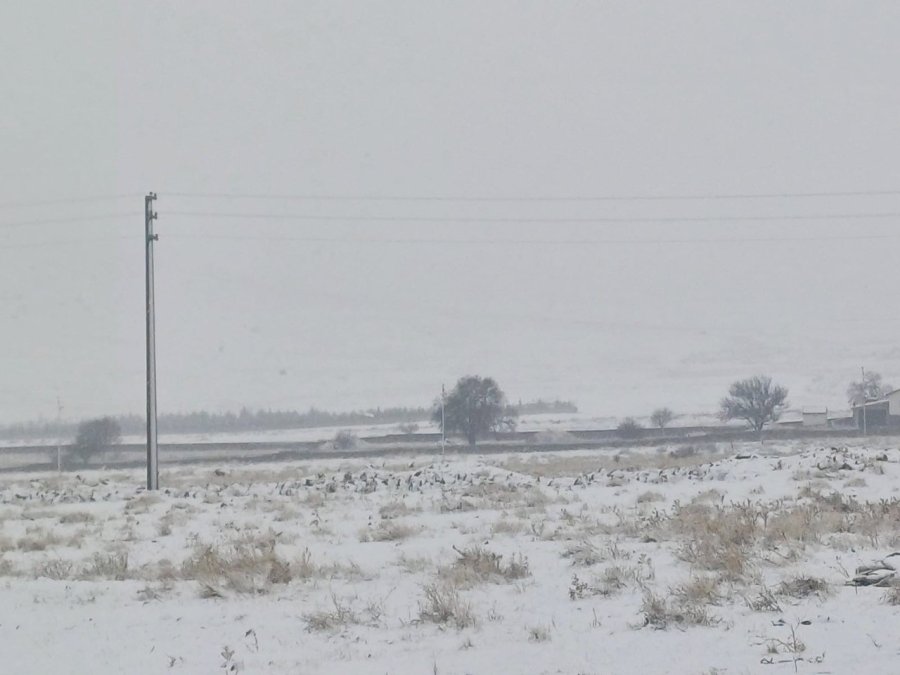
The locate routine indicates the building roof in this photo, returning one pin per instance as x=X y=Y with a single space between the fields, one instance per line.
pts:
x=872 y=404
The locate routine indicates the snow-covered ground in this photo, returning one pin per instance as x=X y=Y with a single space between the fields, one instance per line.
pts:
x=712 y=559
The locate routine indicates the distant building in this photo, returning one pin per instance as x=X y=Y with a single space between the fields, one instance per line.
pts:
x=841 y=419
x=815 y=417
x=790 y=419
x=807 y=418
x=879 y=414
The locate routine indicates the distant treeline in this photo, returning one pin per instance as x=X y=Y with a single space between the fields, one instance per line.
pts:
x=258 y=420
x=542 y=407
x=271 y=420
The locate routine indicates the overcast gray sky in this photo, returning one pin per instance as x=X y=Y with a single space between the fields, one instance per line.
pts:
x=450 y=99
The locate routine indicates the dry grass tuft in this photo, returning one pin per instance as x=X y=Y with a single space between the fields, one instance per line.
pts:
x=650 y=496
x=6 y=568
x=56 y=569
x=455 y=505
x=388 y=530
x=38 y=539
x=155 y=592
x=338 y=616
x=583 y=554
x=556 y=465
x=244 y=566
x=502 y=496
x=510 y=527
x=142 y=503
x=413 y=564
x=804 y=586
x=305 y=568
x=476 y=565
x=77 y=517
x=113 y=566
x=660 y=613
x=443 y=605
x=791 y=645
x=718 y=539
x=764 y=601
x=698 y=591
x=614 y=579
x=892 y=596
x=539 y=634
x=210 y=592
x=396 y=509
x=710 y=496
x=617 y=577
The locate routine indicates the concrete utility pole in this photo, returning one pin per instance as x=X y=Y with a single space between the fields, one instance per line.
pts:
x=865 y=400
x=152 y=448
x=443 y=433
x=59 y=409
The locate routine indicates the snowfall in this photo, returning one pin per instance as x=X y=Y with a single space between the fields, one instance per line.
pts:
x=727 y=558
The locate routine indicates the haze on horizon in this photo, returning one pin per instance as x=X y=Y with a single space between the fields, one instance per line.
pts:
x=272 y=302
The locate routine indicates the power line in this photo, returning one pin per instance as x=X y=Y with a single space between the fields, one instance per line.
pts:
x=64 y=200
x=68 y=219
x=65 y=242
x=547 y=198
x=451 y=219
x=535 y=242
x=555 y=220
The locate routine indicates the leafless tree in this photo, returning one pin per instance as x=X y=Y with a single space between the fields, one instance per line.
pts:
x=475 y=407
x=95 y=437
x=871 y=388
x=755 y=400
x=661 y=417
x=629 y=428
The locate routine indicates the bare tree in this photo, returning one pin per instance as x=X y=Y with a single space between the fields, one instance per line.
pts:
x=661 y=417
x=871 y=388
x=475 y=407
x=95 y=437
x=755 y=400
x=629 y=428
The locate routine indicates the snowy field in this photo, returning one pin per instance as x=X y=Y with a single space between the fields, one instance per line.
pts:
x=710 y=559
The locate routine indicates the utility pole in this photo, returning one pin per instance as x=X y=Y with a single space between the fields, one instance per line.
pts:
x=865 y=400
x=443 y=433
x=152 y=448
x=59 y=409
